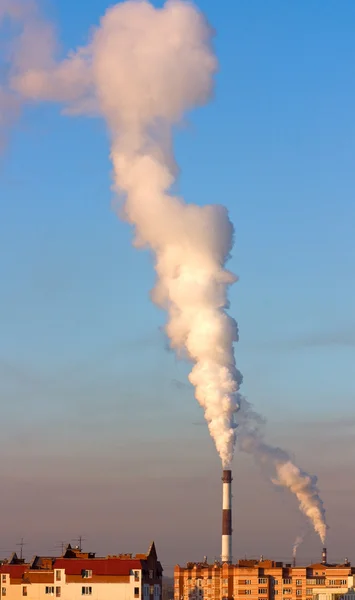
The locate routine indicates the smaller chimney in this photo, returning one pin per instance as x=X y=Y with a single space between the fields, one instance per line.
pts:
x=324 y=556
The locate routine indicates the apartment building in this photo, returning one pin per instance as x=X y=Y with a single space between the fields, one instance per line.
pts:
x=77 y=574
x=264 y=580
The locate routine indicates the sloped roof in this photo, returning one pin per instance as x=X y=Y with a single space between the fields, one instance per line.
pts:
x=15 y=571
x=98 y=566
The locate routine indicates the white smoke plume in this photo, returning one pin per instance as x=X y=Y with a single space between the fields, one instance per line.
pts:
x=298 y=541
x=27 y=41
x=285 y=472
x=142 y=70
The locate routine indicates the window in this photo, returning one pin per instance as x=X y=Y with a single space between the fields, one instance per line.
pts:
x=58 y=575
x=50 y=590
x=276 y=582
x=287 y=591
x=320 y=581
x=136 y=592
x=248 y=581
x=57 y=592
x=4 y=578
x=298 y=592
x=309 y=592
x=298 y=581
x=86 y=591
x=87 y=574
x=262 y=590
x=263 y=580
x=343 y=582
x=150 y=574
x=3 y=591
x=248 y=592
x=24 y=590
x=136 y=575
x=287 y=581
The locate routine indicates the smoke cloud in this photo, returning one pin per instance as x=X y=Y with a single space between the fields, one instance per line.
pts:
x=298 y=541
x=142 y=70
x=28 y=41
x=284 y=472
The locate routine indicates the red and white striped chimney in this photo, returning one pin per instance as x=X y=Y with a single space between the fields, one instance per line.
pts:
x=226 y=556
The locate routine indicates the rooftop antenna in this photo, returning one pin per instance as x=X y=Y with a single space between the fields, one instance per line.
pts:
x=21 y=544
x=61 y=545
x=79 y=539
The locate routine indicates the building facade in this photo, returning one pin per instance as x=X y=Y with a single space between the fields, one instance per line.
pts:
x=76 y=575
x=264 y=580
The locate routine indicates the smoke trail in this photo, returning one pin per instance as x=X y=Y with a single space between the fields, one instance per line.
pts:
x=27 y=41
x=298 y=541
x=288 y=475
x=142 y=70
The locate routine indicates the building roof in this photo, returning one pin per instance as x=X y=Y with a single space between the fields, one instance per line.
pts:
x=42 y=562
x=15 y=571
x=74 y=561
x=98 y=566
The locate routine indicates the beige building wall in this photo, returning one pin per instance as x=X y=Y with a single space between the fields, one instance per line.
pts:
x=263 y=580
x=55 y=584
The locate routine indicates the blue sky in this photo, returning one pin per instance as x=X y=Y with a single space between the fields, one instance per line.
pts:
x=84 y=370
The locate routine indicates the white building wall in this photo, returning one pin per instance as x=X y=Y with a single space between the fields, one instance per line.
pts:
x=346 y=592
x=73 y=591
x=99 y=591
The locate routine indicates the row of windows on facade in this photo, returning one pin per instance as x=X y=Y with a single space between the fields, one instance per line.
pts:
x=51 y=590
x=87 y=591
x=309 y=592
x=86 y=574
x=223 y=597
x=264 y=580
x=285 y=592
x=261 y=591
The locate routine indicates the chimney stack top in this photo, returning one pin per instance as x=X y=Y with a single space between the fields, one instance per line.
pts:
x=227 y=476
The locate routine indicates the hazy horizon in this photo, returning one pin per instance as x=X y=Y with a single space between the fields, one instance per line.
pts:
x=100 y=433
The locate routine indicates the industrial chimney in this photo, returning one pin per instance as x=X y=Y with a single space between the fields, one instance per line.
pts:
x=324 y=556
x=226 y=556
